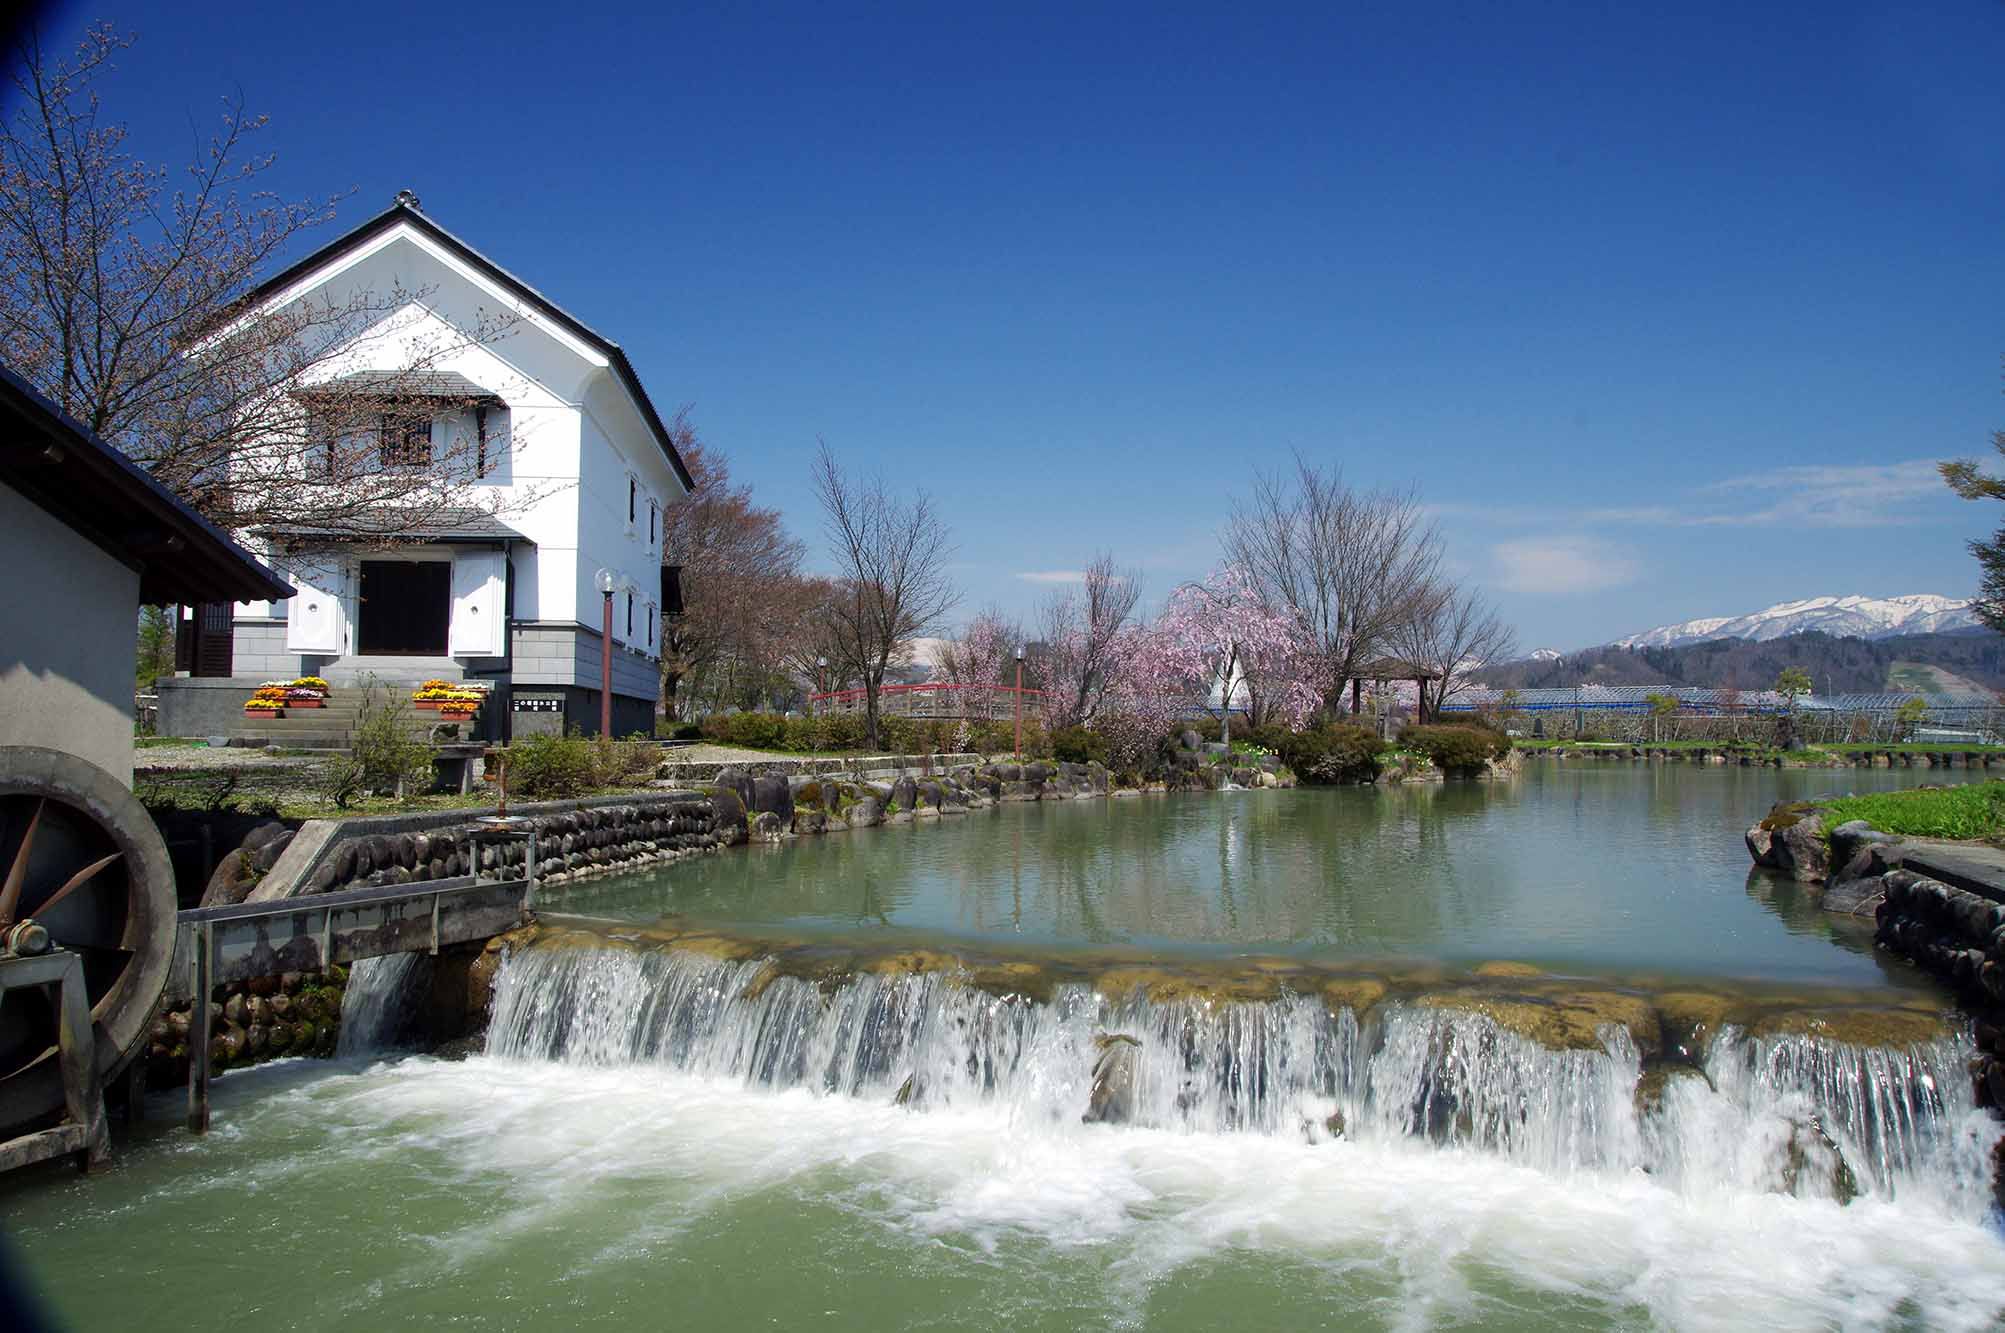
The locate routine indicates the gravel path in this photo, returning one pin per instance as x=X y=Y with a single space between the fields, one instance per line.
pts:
x=183 y=758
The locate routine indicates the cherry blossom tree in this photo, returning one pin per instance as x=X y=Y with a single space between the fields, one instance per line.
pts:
x=1221 y=635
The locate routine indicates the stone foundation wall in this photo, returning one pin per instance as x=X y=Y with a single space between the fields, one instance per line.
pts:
x=572 y=842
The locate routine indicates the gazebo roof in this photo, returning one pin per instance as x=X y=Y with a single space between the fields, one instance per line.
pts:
x=1395 y=668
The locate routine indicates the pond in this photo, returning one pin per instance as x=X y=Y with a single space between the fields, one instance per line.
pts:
x=1589 y=867
x=680 y=1134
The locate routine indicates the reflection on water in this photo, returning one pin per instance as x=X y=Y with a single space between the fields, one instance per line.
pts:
x=1608 y=868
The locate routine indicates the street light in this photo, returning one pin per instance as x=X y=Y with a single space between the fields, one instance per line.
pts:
x=605 y=582
x=1019 y=702
x=821 y=678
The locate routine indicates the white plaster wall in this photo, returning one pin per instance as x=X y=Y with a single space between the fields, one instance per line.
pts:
x=68 y=639
x=575 y=432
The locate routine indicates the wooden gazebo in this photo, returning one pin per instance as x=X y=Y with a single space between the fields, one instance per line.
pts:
x=1386 y=670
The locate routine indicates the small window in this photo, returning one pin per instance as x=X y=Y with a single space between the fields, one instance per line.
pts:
x=406 y=440
x=633 y=496
x=630 y=616
x=653 y=516
x=650 y=626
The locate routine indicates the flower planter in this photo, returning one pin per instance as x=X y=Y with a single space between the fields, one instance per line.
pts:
x=304 y=703
x=429 y=705
x=264 y=712
x=458 y=714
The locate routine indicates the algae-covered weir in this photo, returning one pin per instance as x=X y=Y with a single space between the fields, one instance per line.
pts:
x=1534 y=1054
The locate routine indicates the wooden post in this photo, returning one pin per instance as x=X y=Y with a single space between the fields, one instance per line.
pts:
x=76 y=1052
x=198 y=1031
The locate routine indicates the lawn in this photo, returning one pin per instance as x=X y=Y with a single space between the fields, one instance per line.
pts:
x=1974 y=811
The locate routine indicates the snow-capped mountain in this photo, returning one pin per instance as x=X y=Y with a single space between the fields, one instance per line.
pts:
x=1861 y=617
x=1546 y=654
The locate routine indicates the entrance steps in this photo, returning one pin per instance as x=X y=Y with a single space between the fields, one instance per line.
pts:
x=407 y=672
x=332 y=725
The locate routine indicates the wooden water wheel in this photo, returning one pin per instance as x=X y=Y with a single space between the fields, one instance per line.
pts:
x=81 y=860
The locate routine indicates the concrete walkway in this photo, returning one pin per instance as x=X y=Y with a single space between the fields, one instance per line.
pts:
x=1974 y=867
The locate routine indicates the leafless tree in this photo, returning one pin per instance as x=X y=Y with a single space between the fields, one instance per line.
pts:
x=741 y=592
x=1351 y=566
x=124 y=300
x=1082 y=633
x=890 y=559
x=1454 y=631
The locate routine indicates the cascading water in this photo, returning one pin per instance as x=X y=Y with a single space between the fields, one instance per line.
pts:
x=377 y=1006
x=1799 y=1115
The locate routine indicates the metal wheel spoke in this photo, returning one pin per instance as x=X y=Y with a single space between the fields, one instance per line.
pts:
x=17 y=874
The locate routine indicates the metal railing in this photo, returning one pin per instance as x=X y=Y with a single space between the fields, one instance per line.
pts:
x=245 y=940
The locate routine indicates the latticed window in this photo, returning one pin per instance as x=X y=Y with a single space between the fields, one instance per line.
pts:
x=405 y=440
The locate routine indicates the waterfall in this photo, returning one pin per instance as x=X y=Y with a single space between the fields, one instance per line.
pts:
x=382 y=995
x=1795 y=1114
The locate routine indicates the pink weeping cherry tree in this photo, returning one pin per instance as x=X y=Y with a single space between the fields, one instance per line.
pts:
x=1221 y=635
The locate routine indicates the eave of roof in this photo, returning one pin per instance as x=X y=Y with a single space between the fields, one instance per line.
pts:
x=95 y=489
x=400 y=212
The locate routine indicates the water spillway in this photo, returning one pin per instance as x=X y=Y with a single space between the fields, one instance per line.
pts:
x=1729 y=1111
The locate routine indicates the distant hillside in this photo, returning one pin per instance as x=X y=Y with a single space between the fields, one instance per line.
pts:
x=1840 y=665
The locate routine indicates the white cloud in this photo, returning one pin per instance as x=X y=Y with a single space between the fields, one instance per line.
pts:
x=1561 y=565
x=1815 y=496
x=1053 y=575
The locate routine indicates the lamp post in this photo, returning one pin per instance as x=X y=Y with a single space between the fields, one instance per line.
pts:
x=1019 y=701
x=605 y=582
x=821 y=678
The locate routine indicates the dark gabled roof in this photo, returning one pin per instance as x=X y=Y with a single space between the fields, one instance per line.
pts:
x=442 y=525
x=404 y=384
x=401 y=211
x=109 y=499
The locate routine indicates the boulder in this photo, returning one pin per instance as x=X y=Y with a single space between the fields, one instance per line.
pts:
x=1850 y=838
x=1189 y=740
x=231 y=882
x=269 y=831
x=904 y=793
x=768 y=827
x=1791 y=840
x=866 y=813
x=728 y=812
x=266 y=856
x=772 y=796
x=1112 y=1099
x=810 y=821
x=739 y=781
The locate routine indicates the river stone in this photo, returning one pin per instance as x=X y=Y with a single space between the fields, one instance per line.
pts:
x=766 y=827
x=866 y=813
x=1849 y=838
x=231 y=882
x=264 y=833
x=810 y=821
x=1112 y=1099
x=904 y=793
x=265 y=857
x=739 y=781
x=772 y=796
x=729 y=812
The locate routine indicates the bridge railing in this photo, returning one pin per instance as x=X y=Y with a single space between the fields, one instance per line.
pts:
x=992 y=703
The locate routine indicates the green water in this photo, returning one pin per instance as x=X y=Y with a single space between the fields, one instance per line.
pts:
x=1595 y=868
x=587 y=1192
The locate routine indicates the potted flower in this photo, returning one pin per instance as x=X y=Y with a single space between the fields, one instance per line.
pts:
x=462 y=703
x=267 y=701
x=433 y=693
x=306 y=692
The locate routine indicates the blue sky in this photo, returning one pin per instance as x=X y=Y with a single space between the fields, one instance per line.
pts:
x=1666 y=314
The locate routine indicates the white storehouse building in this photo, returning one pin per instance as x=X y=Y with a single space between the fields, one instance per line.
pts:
x=576 y=471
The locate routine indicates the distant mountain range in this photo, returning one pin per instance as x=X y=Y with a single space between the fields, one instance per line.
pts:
x=1840 y=617
x=1957 y=662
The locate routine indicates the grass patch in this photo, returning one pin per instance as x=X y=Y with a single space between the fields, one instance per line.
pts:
x=1971 y=812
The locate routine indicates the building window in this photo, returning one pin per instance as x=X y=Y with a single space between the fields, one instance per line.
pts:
x=405 y=440
x=650 y=626
x=630 y=616
x=653 y=517
x=633 y=496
